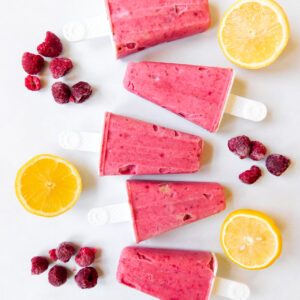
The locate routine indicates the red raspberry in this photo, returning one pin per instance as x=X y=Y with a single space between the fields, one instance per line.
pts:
x=250 y=176
x=86 y=278
x=240 y=145
x=59 y=67
x=51 y=47
x=33 y=83
x=57 y=275
x=258 y=151
x=65 y=251
x=61 y=92
x=52 y=254
x=80 y=92
x=85 y=257
x=277 y=164
x=32 y=64
x=39 y=264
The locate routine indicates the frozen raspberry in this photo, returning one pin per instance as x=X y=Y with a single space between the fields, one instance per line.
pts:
x=258 y=151
x=59 y=67
x=57 y=275
x=277 y=164
x=240 y=145
x=33 y=83
x=39 y=264
x=80 y=92
x=51 y=47
x=65 y=251
x=85 y=257
x=61 y=92
x=32 y=64
x=86 y=278
x=251 y=175
x=52 y=254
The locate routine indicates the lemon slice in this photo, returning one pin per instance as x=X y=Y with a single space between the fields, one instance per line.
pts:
x=251 y=239
x=48 y=185
x=253 y=33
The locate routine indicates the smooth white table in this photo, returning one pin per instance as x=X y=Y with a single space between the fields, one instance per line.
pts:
x=30 y=123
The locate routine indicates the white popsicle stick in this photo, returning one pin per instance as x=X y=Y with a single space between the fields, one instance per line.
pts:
x=87 y=29
x=230 y=289
x=116 y=213
x=78 y=140
x=246 y=108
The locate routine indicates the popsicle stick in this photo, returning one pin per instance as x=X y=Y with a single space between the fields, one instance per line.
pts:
x=115 y=213
x=87 y=29
x=83 y=141
x=246 y=108
x=230 y=289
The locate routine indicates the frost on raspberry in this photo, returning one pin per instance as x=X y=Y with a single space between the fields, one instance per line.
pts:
x=33 y=83
x=32 y=63
x=80 y=92
x=85 y=257
x=86 y=278
x=61 y=92
x=250 y=176
x=65 y=251
x=59 y=67
x=240 y=145
x=258 y=151
x=51 y=47
x=57 y=275
x=277 y=164
x=39 y=264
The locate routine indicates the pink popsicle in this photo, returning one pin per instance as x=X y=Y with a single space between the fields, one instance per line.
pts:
x=168 y=274
x=137 y=25
x=158 y=207
x=131 y=146
x=196 y=93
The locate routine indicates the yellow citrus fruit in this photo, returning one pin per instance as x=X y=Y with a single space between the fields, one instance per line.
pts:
x=253 y=33
x=48 y=185
x=251 y=239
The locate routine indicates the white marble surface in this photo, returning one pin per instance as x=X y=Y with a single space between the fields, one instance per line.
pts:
x=30 y=124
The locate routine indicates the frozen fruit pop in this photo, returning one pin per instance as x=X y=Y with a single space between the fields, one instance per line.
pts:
x=136 y=25
x=196 y=93
x=156 y=207
x=176 y=274
x=133 y=147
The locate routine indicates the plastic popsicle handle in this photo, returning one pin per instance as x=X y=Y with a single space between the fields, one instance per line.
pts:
x=87 y=29
x=79 y=140
x=116 y=213
x=246 y=108
x=230 y=289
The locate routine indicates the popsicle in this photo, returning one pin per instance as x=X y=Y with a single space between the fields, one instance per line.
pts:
x=156 y=207
x=133 y=147
x=196 y=93
x=176 y=274
x=136 y=25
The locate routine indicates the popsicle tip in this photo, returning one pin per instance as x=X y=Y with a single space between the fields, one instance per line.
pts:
x=98 y=216
x=258 y=112
x=69 y=140
x=74 y=31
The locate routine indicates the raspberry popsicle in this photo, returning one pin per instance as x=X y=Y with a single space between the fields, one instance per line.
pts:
x=196 y=93
x=136 y=25
x=131 y=146
x=176 y=274
x=156 y=207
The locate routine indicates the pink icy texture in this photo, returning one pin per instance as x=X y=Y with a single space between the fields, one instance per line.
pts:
x=158 y=207
x=133 y=147
x=168 y=274
x=196 y=93
x=137 y=25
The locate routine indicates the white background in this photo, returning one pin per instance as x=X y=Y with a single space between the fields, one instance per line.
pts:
x=31 y=121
